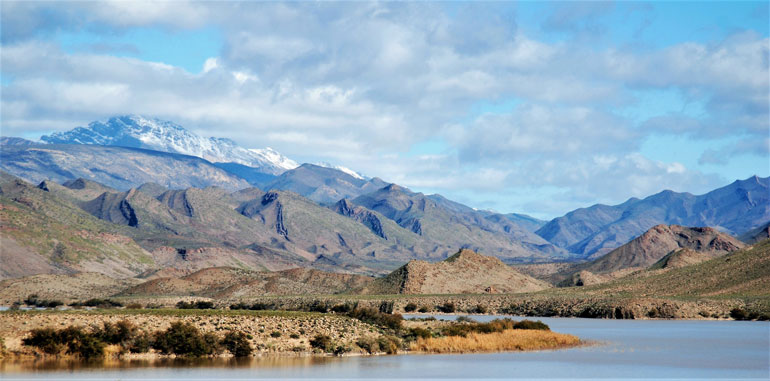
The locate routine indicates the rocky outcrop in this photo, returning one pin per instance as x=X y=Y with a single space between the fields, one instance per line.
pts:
x=362 y=215
x=463 y=273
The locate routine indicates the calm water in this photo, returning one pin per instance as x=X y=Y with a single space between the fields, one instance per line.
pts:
x=625 y=349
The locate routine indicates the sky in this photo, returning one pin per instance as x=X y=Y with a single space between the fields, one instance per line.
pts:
x=528 y=107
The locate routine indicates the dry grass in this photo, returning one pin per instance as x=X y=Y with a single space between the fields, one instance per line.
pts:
x=508 y=340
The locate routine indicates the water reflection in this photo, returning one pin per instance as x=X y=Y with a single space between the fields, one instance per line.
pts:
x=267 y=362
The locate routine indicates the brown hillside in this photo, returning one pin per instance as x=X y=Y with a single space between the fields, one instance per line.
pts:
x=464 y=272
x=660 y=240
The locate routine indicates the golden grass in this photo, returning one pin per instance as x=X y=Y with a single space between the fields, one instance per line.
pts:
x=508 y=340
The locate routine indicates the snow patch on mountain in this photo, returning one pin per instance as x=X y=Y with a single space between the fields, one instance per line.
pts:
x=160 y=135
x=342 y=169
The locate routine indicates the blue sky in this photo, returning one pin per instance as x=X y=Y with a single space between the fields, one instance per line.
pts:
x=530 y=107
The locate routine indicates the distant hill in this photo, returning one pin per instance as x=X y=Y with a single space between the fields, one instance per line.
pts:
x=756 y=235
x=741 y=273
x=654 y=245
x=116 y=167
x=594 y=231
x=464 y=272
x=232 y=283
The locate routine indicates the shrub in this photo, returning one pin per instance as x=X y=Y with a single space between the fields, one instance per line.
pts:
x=529 y=324
x=239 y=306
x=342 y=308
x=34 y=301
x=372 y=316
x=388 y=344
x=140 y=343
x=47 y=340
x=368 y=344
x=317 y=306
x=322 y=342
x=237 y=343
x=424 y=309
x=738 y=314
x=98 y=303
x=275 y=334
x=446 y=308
x=294 y=336
x=480 y=309
x=341 y=349
x=185 y=339
x=120 y=333
x=410 y=307
x=198 y=305
x=417 y=332
x=465 y=319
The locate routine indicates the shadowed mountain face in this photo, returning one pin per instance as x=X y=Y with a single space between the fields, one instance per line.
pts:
x=116 y=167
x=440 y=220
x=594 y=231
x=464 y=272
x=322 y=184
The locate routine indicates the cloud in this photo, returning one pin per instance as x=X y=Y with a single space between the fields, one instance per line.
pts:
x=360 y=84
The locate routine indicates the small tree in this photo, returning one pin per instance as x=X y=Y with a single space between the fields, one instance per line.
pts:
x=237 y=343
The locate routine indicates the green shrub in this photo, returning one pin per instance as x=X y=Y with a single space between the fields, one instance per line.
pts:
x=275 y=334
x=447 y=308
x=198 y=305
x=389 y=344
x=98 y=303
x=465 y=319
x=34 y=301
x=368 y=344
x=46 y=339
x=341 y=349
x=738 y=314
x=410 y=307
x=185 y=339
x=322 y=342
x=237 y=343
x=529 y=324
x=374 y=317
x=417 y=332
x=423 y=309
x=479 y=309
x=140 y=343
x=342 y=308
x=294 y=336
x=120 y=333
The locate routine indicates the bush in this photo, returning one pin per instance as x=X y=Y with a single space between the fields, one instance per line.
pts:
x=34 y=301
x=342 y=308
x=497 y=325
x=738 y=314
x=465 y=319
x=480 y=309
x=237 y=343
x=446 y=308
x=389 y=344
x=322 y=342
x=341 y=349
x=529 y=324
x=140 y=343
x=198 y=305
x=98 y=303
x=294 y=336
x=120 y=333
x=134 y=306
x=410 y=307
x=417 y=332
x=368 y=344
x=275 y=334
x=185 y=339
x=424 y=309
x=47 y=340
x=372 y=316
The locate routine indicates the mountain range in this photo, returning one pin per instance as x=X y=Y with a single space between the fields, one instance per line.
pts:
x=166 y=200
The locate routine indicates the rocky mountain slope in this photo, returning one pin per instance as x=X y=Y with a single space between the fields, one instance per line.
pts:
x=594 y=231
x=116 y=167
x=756 y=235
x=464 y=272
x=324 y=184
x=741 y=273
x=160 y=135
x=658 y=247
x=233 y=283
x=440 y=220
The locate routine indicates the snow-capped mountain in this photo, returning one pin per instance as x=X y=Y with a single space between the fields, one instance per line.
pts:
x=342 y=169
x=160 y=135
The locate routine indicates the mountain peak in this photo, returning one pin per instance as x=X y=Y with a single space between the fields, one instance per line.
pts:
x=137 y=131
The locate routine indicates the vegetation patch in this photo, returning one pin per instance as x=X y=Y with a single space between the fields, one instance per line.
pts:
x=507 y=340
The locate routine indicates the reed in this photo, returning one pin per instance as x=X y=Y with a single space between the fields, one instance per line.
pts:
x=508 y=340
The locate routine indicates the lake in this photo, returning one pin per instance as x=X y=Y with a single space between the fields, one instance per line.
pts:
x=621 y=349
